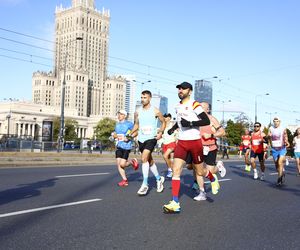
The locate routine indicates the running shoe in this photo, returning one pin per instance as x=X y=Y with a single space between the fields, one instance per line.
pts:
x=215 y=186
x=172 y=208
x=169 y=174
x=200 y=197
x=262 y=177
x=279 y=181
x=248 y=168
x=195 y=186
x=221 y=168
x=135 y=164
x=255 y=175
x=159 y=184
x=143 y=190
x=123 y=183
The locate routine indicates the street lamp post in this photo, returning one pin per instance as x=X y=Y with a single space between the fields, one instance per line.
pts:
x=8 y=123
x=223 y=118
x=256 y=105
x=142 y=85
x=62 y=103
x=271 y=113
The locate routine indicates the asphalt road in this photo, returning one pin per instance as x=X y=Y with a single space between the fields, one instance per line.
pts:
x=82 y=207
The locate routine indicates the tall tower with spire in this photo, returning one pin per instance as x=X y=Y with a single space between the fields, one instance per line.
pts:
x=84 y=61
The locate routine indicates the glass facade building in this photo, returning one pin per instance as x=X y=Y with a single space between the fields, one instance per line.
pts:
x=203 y=92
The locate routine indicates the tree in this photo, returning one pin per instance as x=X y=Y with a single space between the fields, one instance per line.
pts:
x=234 y=132
x=70 y=129
x=104 y=129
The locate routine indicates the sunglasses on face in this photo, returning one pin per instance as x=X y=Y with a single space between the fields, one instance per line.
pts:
x=256 y=126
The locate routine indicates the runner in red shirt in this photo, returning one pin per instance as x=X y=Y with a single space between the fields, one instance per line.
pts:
x=258 y=138
x=246 y=149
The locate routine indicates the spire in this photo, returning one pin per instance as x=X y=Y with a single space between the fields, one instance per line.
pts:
x=85 y=3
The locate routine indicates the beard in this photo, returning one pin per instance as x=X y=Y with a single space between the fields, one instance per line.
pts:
x=182 y=96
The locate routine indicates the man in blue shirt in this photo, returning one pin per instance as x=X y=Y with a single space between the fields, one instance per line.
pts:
x=124 y=145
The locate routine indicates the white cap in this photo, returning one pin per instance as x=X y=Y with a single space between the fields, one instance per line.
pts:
x=277 y=118
x=122 y=111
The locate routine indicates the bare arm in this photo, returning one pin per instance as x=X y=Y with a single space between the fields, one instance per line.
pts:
x=135 y=128
x=220 y=131
x=159 y=115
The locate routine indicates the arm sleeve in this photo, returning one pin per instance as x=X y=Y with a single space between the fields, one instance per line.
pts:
x=204 y=120
x=171 y=130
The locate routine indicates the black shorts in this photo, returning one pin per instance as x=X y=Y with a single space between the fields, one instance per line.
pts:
x=149 y=144
x=245 y=150
x=122 y=153
x=209 y=159
x=260 y=155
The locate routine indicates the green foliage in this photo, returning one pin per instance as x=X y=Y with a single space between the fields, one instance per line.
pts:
x=70 y=129
x=56 y=125
x=104 y=129
x=234 y=131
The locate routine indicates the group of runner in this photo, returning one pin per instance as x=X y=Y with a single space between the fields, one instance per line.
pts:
x=181 y=139
x=189 y=141
x=256 y=145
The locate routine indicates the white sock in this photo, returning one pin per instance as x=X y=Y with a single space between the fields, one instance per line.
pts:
x=145 y=170
x=154 y=170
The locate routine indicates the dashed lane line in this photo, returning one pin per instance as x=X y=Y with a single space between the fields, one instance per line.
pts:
x=220 y=180
x=47 y=208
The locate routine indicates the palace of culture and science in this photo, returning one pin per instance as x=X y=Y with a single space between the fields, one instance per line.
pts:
x=81 y=57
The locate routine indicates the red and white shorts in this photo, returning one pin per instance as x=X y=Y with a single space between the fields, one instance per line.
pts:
x=171 y=145
x=193 y=146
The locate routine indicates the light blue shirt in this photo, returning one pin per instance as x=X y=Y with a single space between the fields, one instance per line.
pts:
x=122 y=129
x=147 y=124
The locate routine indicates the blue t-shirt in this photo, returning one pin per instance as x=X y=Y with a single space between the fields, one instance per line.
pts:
x=122 y=129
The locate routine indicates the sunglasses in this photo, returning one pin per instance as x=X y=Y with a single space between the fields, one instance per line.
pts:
x=256 y=126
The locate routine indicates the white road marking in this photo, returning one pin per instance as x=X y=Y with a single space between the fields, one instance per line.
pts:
x=47 y=208
x=275 y=173
x=220 y=180
x=79 y=175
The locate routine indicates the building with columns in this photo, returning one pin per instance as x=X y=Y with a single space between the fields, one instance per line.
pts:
x=27 y=120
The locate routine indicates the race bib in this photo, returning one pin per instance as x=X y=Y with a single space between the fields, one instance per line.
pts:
x=276 y=144
x=120 y=137
x=205 y=150
x=246 y=142
x=147 y=130
x=256 y=142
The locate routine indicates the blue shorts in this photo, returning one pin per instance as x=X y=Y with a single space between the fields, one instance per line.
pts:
x=276 y=153
x=297 y=154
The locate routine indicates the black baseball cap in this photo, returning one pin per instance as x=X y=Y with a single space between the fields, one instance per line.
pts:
x=167 y=115
x=185 y=85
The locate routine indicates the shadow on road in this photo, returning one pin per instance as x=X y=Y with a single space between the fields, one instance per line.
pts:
x=24 y=191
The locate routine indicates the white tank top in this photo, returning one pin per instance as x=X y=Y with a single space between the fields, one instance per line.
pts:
x=297 y=144
x=277 y=137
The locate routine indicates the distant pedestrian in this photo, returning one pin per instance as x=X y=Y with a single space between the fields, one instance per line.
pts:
x=296 y=144
x=225 y=150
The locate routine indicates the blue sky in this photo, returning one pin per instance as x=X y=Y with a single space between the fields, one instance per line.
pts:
x=251 y=45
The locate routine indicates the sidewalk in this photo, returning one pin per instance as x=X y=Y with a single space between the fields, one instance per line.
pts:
x=66 y=158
